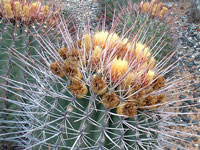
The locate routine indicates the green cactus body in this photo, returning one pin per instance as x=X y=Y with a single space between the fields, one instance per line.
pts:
x=16 y=36
x=86 y=125
x=113 y=8
x=13 y=37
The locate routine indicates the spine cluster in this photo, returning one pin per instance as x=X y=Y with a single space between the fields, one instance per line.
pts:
x=154 y=9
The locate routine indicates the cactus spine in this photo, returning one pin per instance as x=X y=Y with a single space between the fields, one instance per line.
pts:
x=104 y=90
x=153 y=13
x=18 y=22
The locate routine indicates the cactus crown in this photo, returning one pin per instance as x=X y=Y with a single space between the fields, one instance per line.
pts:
x=117 y=65
x=27 y=11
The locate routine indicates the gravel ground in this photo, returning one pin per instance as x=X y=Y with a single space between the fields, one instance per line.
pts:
x=188 y=51
x=91 y=9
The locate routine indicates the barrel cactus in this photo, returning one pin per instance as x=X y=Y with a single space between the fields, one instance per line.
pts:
x=19 y=19
x=152 y=13
x=103 y=90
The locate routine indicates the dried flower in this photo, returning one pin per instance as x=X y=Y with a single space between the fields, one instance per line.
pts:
x=159 y=83
x=161 y=99
x=127 y=109
x=110 y=100
x=71 y=70
x=136 y=92
x=78 y=89
x=74 y=56
x=147 y=101
x=56 y=69
x=98 y=85
x=63 y=52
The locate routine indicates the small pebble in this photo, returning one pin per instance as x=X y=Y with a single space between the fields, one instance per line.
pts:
x=186 y=119
x=198 y=106
x=182 y=96
x=194 y=138
x=195 y=122
x=189 y=102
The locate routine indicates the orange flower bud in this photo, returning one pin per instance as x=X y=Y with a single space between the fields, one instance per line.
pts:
x=163 y=11
x=45 y=10
x=25 y=13
x=8 y=9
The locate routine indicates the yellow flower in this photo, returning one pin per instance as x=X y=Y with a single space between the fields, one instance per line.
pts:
x=18 y=8
x=25 y=13
x=127 y=81
x=100 y=38
x=123 y=47
x=160 y=5
x=118 y=68
x=34 y=8
x=152 y=63
x=96 y=52
x=145 y=7
x=105 y=39
x=154 y=10
x=45 y=10
x=8 y=9
x=163 y=11
x=112 y=40
x=87 y=41
x=77 y=77
x=6 y=2
x=141 y=51
x=150 y=76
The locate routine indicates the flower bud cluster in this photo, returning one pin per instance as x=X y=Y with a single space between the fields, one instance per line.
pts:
x=123 y=74
x=154 y=8
x=23 y=10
